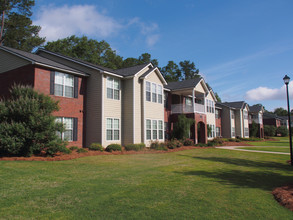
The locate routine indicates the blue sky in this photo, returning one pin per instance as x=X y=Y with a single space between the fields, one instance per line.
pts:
x=242 y=48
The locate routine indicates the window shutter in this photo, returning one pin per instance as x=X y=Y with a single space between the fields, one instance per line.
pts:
x=52 y=82
x=75 y=120
x=75 y=87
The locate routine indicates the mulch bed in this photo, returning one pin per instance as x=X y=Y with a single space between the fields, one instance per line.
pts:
x=284 y=195
x=75 y=155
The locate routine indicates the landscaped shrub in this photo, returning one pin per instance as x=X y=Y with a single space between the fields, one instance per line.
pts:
x=232 y=140
x=96 y=147
x=211 y=144
x=218 y=141
x=187 y=142
x=26 y=123
x=253 y=129
x=54 y=149
x=158 y=146
x=135 y=147
x=282 y=130
x=182 y=127
x=201 y=145
x=114 y=147
x=174 y=143
x=269 y=130
x=74 y=148
x=81 y=150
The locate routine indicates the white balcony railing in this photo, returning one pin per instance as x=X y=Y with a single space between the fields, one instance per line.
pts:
x=184 y=109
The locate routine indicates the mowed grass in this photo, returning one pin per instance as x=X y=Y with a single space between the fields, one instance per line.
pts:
x=272 y=149
x=191 y=184
x=279 y=141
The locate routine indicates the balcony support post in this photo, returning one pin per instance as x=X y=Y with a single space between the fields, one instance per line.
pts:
x=193 y=105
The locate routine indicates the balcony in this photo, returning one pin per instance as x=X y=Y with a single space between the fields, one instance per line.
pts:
x=185 y=109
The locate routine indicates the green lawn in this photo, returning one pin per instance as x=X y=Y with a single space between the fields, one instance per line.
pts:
x=192 y=184
x=272 y=149
x=280 y=141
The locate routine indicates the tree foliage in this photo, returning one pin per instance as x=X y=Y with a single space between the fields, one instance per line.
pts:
x=17 y=30
x=218 y=97
x=281 y=112
x=253 y=129
x=27 y=125
x=282 y=130
x=182 y=127
x=269 y=130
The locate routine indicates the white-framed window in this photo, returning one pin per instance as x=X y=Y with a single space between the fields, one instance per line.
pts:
x=218 y=114
x=113 y=88
x=160 y=94
x=112 y=129
x=68 y=133
x=64 y=85
x=148 y=91
x=245 y=114
x=218 y=131
x=246 y=132
x=210 y=106
x=154 y=92
x=212 y=134
x=148 y=129
x=166 y=99
x=188 y=101
x=233 y=131
x=232 y=114
x=154 y=129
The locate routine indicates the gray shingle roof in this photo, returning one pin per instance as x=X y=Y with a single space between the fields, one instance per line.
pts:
x=239 y=105
x=255 y=108
x=131 y=71
x=190 y=83
x=38 y=59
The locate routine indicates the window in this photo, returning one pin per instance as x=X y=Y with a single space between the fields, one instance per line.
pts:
x=70 y=126
x=155 y=130
x=148 y=129
x=113 y=88
x=160 y=94
x=154 y=92
x=210 y=106
x=166 y=99
x=233 y=131
x=218 y=131
x=166 y=129
x=212 y=133
x=246 y=132
x=148 y=91
x=245 y=114
x=112 y=129
x=160 y=129
x=218 y=114
x=63 y=85
x=188 y=101
x=232 y=114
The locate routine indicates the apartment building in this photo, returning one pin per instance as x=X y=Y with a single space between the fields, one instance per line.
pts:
x=256 y=115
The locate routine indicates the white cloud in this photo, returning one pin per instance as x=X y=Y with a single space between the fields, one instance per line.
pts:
x=64 y=21
x=264 y=93
x=77 y=19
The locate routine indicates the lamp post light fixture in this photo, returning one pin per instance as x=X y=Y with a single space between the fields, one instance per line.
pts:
x=286 y=81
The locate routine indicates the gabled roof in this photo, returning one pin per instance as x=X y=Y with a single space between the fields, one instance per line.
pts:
x=131 y=71
x=39 y=60
x=220 y=105
x=268 y=115
x=186 y=84
x=256 y=108
x=79 y=61
x=236 y=105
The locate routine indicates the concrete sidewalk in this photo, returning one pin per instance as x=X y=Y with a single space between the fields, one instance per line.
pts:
x=257 y=151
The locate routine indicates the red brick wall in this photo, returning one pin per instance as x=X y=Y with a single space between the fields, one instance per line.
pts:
x=23 y=75
x=69 y=107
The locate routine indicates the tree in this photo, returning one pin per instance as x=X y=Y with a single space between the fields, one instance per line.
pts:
x=171 y=72
x=27 y=125
x=182 y=127
x=188 y=70
x=253 y=129
x=281 y=112
x=17 y=30
x=269 y=130
x=282 y=130
x=218 y=97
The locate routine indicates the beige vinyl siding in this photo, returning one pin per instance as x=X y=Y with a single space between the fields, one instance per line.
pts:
x=112 y=109
x=211 y=117
x=154 y=110
x=127 y=112
x=10 y=61
x=245 y=122
x=93 y=100
x=199 y=88
x=138 y=110
x=238 y=123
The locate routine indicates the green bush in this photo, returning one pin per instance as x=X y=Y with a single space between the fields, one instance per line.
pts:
x=201 y=145
x=135 y=147
x=81 y=150
x=218 y=141
x=174 y=143
x=269 y=130
x=182 y=127
x=114 y=147
x=232 y=140
x=282 y=130
x=26 y=123
x=253 y=129
x=211 y=144
x=187 y=142
x=158 y=146
x=55 y=148
x=74 y=148
x=96 y=147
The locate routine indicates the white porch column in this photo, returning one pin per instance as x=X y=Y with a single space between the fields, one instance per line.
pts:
x=193 y=105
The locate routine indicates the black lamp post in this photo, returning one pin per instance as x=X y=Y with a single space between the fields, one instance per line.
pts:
x=286 y=81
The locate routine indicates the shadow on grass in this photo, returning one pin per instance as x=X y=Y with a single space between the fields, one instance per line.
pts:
x=267 y=177
x=246 y=162
x=245 y=179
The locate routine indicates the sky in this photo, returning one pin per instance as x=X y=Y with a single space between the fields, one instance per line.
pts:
x=243 y=49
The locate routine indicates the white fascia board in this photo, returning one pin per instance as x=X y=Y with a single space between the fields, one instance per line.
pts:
x=111 y=74
x=159 y=74
x=143 y=69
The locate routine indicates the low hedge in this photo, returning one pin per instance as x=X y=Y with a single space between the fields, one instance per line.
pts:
x=135 y=147
x=113 y=147
x=96 y=147
x=158 y=146
x=174 y=143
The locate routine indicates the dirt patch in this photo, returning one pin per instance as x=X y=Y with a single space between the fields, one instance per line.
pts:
x=284 y=195
x=75 y=155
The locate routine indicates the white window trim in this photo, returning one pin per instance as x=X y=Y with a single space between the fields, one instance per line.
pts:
x=158 y=133
x=157 y=89
x=63 y=133
x=63 y=84
x=113 y=129
x=112 y=88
